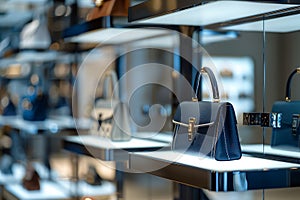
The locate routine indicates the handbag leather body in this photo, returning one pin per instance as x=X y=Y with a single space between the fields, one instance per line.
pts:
x=112 y=115
x=207 y=128
x=288 y=134
x=31 y=180
x=34 y=105
x=8 y=109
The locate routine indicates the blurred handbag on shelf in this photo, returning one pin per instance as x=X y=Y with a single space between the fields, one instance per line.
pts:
x=112 y=115
x=34 y=105
x=118 y=8
x=92 y=176
x=287 y=135
x=204 y=128
x=7 y=107
x=31 y=179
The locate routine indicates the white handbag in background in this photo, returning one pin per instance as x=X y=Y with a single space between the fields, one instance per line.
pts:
x=112 y=115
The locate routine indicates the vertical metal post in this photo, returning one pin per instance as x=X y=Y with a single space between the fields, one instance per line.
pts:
x=75 y=164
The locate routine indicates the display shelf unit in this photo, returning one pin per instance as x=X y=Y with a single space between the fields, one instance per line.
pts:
x=248 y=173
x=281 y=153
x=110 y=31
x=214 y=14
x=104 y=31
x=259 y=172
x=81 y=189
x=107 y=150
x=53 y=124
x=49 y=190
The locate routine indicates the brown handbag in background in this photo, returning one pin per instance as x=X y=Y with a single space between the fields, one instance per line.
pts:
x=117 y=8
x=31 y=180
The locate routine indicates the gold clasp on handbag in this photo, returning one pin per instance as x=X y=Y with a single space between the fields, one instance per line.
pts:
x=191 y=128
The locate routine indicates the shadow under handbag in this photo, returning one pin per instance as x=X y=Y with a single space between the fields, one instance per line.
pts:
x=207 y=128
x=112 y=115
x=288 y=134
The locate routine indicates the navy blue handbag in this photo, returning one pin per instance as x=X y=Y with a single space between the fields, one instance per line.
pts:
x=288 y=134
x=8 y=108
x=34 y=105
x=207 y=128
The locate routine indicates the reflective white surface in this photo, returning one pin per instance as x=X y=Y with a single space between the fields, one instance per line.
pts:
x=216 y=12
x=49 y=190
x=81 y=188
x=288 y=152
x=52 y=125
x=244 y=164
x=117 y=35
x=146 y=37
x=106 y=143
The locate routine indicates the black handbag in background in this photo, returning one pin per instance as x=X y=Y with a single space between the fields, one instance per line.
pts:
x=207 y=128
x=288 y=134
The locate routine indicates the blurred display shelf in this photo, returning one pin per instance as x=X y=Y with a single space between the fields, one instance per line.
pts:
x=281 y=153
x=166 y=137
x=53 y=124
x=108 y=31
x=81 y=189
x=107 y=150
x=248 y=173
x=49 y=190
x=103 y=31
x=280 y=16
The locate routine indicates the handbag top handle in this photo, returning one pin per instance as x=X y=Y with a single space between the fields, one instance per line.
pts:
x=110 y=81
x=213 y=82
x=288 y=85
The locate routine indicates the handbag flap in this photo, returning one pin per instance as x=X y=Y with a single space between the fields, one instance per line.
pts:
x=287 y=109
x=203 y=111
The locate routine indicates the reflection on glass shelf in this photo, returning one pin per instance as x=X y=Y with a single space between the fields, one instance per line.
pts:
x=277 y=25
x=236 y=82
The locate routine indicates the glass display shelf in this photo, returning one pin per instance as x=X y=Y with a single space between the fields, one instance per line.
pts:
x=49 y=190
x=281 y=153
x=104 y=31
x=82 y=188
x=248 y=173
x=107 y=150
x=237 y=15
x=59 y=190
x=53 y=124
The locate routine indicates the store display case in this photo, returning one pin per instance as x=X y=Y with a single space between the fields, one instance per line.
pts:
x=244 y=42
x=266 y=19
